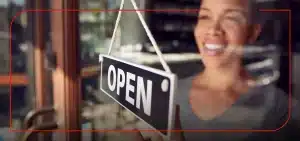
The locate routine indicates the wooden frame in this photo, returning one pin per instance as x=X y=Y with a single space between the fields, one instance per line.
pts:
x=66 y=76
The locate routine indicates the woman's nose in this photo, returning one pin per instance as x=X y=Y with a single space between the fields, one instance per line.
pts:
x=214 y=29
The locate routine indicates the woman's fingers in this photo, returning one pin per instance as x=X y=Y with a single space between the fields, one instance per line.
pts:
x=157 y=137
x=138 y=136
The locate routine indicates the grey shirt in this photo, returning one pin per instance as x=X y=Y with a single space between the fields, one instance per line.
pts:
x=262 y=108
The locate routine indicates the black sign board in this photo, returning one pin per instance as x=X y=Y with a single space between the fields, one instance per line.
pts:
x=147 y=92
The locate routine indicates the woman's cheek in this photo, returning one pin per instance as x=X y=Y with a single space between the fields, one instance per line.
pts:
x=198 y=36
x=199 y=44
x=235 y=35
x=236 y=39
x=197 y=31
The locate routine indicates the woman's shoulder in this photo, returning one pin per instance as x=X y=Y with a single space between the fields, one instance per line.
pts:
x=273 y=95
x=274 y=100
x=284 y=103
x=267 y=96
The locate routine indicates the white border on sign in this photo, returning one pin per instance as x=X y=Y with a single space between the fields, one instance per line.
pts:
x=172 y=109
x=173 y=82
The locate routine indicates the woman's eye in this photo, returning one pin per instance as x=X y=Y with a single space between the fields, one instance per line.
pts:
x=235 y=19
x=203 y=17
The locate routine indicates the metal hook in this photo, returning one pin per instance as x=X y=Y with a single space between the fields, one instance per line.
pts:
x=32 y=115
x=33 y=130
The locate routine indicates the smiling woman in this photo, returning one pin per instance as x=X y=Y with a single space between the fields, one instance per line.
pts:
x=224 y=96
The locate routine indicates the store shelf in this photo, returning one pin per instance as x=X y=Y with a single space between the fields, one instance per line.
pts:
x=173 y=23
x=22 y=79
x=16 y=79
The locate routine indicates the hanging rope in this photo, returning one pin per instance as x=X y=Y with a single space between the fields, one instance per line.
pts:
x=149 y=34
x=116 y=27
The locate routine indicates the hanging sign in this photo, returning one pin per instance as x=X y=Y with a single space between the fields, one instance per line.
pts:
x=147 y=92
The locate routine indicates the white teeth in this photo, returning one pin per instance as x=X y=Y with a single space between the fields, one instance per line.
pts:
x=213 y=46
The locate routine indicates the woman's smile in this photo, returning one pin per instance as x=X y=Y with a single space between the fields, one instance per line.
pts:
x=213 y=49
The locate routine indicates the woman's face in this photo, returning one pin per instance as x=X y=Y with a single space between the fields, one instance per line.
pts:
x=223 y=28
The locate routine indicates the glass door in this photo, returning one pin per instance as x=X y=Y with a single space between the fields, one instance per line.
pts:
x=25 y=81
x=14 y=76
x=100 y=112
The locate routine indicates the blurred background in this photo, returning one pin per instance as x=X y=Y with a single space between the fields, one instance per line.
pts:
x=32 y=69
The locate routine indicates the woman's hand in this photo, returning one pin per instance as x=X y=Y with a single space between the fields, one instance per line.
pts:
x=139 y=137
x=176 y=136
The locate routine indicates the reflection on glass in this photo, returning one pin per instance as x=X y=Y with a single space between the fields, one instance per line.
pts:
x=96 y=29
x=108 y=115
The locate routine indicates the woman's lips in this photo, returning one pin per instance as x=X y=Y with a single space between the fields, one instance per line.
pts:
x=213 y=49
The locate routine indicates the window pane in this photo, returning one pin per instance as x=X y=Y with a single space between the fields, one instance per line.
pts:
x=101 y=112
x=173 y=32
x=24 y=51
x=19 y=100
